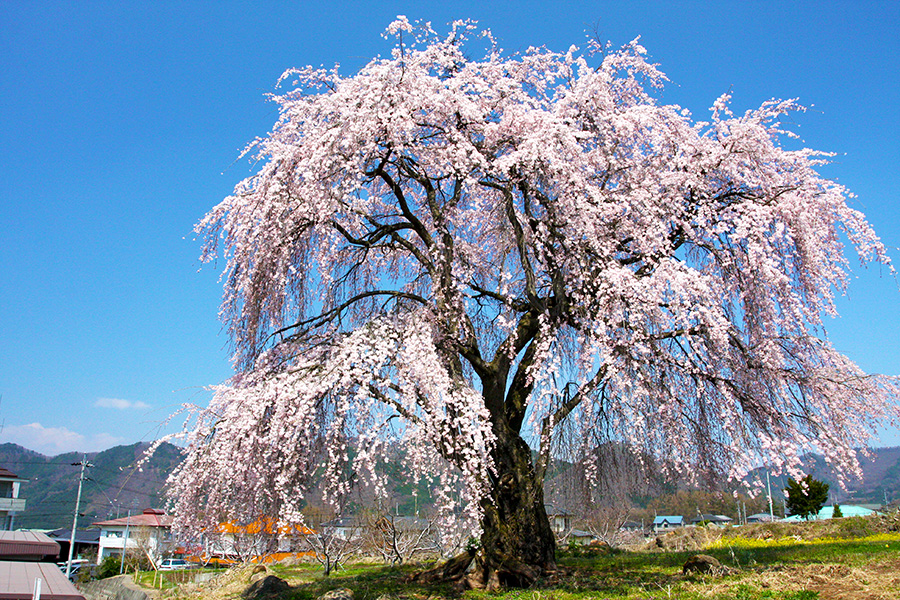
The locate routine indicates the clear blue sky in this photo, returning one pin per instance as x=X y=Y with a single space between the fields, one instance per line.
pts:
x=120 y=125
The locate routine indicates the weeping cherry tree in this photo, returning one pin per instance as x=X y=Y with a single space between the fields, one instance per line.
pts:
x=465 y=259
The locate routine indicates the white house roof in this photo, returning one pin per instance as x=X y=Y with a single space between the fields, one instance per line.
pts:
x=149 y=518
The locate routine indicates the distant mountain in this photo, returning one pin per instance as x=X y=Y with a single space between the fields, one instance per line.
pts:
x=112 y=487
x=880 y=482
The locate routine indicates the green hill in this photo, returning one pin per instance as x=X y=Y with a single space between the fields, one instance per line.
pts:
x=112 y=487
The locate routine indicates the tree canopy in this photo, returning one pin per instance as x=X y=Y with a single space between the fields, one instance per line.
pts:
x=807 y=496
x=466 y=258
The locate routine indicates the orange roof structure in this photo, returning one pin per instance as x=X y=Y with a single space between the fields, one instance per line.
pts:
x=264 y=525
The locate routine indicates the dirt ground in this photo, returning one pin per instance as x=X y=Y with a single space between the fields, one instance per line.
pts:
x=879 y=580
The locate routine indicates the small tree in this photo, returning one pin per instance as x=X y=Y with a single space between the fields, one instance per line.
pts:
x=806 y=497
x=838 y=514
x=109 y=567
x=397 y=539
x=332 y=547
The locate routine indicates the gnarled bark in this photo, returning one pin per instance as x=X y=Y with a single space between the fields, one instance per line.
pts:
x=517 y=541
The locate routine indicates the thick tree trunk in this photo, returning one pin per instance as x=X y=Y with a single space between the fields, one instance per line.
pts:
x=518 y=545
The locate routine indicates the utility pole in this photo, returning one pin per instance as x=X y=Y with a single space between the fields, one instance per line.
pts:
x=125 y=544
x=769 y=487
x=84 y=463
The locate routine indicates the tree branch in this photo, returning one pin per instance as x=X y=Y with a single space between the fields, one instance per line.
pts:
x=330 y=315
x=563 y=411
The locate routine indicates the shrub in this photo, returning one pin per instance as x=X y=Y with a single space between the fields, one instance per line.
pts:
x=110 y=567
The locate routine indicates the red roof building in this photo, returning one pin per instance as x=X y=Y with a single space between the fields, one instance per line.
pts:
x=149 y=532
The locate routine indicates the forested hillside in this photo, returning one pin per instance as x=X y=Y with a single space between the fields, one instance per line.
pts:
x=112 y=487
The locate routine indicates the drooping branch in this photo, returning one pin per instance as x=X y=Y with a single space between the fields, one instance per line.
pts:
x=551 y=420
x=397 y=190
x=301 y=328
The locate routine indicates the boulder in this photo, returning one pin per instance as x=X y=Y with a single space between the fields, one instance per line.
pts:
x=338 y=594
x=703 y=563
x=257 y=573
x=267 y=588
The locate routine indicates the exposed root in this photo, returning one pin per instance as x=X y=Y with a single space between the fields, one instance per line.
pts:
x=470 y=570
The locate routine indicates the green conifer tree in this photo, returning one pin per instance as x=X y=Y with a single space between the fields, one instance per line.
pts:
x=806 y=497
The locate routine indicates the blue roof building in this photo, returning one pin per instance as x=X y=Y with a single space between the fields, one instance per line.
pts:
x=664 y=522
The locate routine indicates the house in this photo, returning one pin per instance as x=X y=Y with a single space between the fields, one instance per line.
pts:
x=632 y=526
x=149 y=533
x=10 y=503
x=560 y=520
x=760 y=518
x=253 y=541
x=22 y=574
x=711 y=519
x=87 y=541
x=580 y=537
x=666 y=522
x=343 y=527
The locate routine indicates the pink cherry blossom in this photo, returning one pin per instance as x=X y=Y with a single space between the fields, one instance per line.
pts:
x=450 y=255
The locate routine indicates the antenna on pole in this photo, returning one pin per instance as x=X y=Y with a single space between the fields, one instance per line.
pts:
x=84 y=463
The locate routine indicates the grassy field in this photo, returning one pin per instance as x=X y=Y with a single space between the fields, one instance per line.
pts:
x=762 y=564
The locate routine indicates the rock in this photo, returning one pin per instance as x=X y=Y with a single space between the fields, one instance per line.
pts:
x=338 y=594
x=703 y=563
x=259 y=572
x=268 y=587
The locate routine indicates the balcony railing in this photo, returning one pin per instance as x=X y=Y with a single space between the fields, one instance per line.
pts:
x=12 y=504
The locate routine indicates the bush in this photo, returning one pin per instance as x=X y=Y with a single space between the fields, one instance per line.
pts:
x=856 y=527
x=111 y=566
x=86 y=573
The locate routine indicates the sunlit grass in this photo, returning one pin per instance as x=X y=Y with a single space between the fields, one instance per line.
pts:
x=758 y=569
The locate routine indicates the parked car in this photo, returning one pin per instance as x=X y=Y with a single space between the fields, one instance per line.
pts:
x=175 y=564
x=78 y=567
